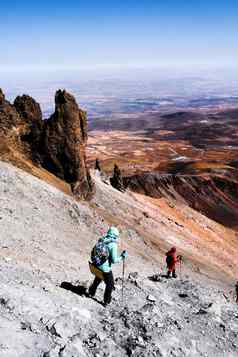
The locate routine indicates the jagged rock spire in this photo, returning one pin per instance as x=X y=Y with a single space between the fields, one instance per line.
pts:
x=64 y=144
x=2 y=97
x=117 y=181
x=98 y=165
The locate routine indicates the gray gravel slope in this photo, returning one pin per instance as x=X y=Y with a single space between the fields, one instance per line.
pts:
x=45 y=239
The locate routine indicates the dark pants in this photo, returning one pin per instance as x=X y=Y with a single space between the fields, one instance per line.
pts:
x=109 y=282
x=173 y=273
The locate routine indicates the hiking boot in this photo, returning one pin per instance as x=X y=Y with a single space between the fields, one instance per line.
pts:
x=174 y=275
x=90 y=294
x=168 y=275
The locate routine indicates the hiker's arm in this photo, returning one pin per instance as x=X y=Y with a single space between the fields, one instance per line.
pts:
x=179 y=258
x=114 y=257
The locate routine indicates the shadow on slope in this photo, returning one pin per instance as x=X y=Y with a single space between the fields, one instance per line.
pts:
x=80 y=290
x=77 y=289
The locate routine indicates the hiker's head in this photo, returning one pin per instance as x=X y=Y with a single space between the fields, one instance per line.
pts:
x=113 y=232
x=173 y=250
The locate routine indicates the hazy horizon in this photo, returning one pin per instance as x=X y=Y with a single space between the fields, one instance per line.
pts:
x=106 y=92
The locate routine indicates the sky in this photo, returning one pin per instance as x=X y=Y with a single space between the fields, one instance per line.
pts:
x=77 y=34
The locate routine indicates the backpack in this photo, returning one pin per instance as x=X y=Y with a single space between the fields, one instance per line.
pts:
x=169 y=259
x=99 y=253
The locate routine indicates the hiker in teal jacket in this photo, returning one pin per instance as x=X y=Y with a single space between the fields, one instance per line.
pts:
x=110 y=240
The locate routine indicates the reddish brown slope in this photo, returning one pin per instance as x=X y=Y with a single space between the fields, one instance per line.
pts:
x=215 y=195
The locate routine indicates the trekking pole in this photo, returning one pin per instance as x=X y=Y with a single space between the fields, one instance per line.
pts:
x=180 y=268
x=123 y=281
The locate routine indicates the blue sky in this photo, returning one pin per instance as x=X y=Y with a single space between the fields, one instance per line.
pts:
x=104 y=34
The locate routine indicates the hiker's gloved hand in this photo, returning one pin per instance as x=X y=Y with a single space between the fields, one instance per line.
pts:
x=180 y=257
x=124 y=254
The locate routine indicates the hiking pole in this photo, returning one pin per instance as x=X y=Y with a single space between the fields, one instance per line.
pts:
x=123 y=281
x=180 y=268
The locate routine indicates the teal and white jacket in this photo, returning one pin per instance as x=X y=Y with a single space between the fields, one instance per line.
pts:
x=111 y=241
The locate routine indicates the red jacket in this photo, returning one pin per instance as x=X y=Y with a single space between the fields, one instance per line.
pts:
x=171 y=259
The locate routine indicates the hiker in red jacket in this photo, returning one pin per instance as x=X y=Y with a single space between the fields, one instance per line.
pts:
x=171 y=260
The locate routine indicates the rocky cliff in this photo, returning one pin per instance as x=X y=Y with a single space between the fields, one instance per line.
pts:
x=57 y=144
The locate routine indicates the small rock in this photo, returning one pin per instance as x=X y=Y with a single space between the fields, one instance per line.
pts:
x=202 y=312
x=74 y=349
x=226 y=297
x=26 y=326
x=178 y=325
x=140 y=342
x=149 y=307
x=7 y=259
x=151 y=298
x=146 y=214
x=133 y=276
x=156 y=277
x=53 y=331
x=223 y=327
x=3 y=301
x=101 y=336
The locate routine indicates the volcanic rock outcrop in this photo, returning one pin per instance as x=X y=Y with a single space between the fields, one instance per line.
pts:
x=116 y=180
x=64 y=142
x=30 y=114
x=8 y=115
x=12 y=127
x=57 y=144
x=98 y=165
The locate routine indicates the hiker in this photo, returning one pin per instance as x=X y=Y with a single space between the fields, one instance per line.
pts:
x=103 y=255
x=236 y=292
x=171 y=260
